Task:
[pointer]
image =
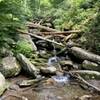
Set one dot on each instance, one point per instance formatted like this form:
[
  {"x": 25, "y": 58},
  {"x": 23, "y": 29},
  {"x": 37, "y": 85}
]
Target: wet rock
[
  {"x": 14, "y": 87},
  {"x": 70, "y": 44},
  {"x": 76, "y": 66},
  {"x": 66, "y": 64},
  {"x": 44, "y": 54},
  {"x": 10, "y": 67},
  {"x": 2, "y": 84},
  {"x": 52, "y": 61},
  {"x": 85, "y": 97},
  {"x": 48, "y": 70},
  {"x": 27, "y": 65},
  {"x": 25, "y": 83},
  {"x": 90, "y": 65}
]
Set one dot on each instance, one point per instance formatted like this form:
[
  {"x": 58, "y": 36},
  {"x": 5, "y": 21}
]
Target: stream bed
[{"x": 48, "y": 90}]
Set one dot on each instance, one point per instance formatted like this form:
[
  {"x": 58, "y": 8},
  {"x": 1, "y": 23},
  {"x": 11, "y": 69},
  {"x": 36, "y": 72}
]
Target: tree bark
[{"x": 84, "y": 55}]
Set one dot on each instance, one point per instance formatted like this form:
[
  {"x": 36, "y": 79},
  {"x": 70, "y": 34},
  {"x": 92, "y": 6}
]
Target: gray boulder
[
  {"x": 66, "y": 63},
  {"x": 27, "y": 65},
  {"x": 48, "y": 70},
  {"x": 10, "y": 67},
  {"x": 2, "y": 84}
]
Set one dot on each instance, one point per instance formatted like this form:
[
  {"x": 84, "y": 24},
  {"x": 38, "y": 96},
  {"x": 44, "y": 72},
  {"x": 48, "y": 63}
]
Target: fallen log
[
  {"x": 59, "y": 32},
  {"x": 84, "y": 55},
  {"x": 50, "y": 30},
  {"x": 40, "y": 37},
  {"x": 30, "y": 24},
  {"x": 48, "y": 40},
  {"x": 85, "y": 72}
]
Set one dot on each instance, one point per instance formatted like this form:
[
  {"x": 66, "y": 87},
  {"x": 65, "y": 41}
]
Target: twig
[{"x": 69, "y": 37}]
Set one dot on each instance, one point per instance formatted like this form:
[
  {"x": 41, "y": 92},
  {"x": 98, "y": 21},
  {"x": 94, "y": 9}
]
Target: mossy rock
[
  {"x": 10, "y": 67},
  {"x": 24, "y": 47}
]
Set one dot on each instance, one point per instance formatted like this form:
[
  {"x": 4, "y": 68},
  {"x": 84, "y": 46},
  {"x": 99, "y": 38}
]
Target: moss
[{"x": 24, "y": 47}]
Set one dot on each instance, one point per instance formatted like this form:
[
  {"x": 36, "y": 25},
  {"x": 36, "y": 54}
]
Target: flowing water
[
  {"x": 51, "y": 91},
  {"x": 58, "y": 87}
]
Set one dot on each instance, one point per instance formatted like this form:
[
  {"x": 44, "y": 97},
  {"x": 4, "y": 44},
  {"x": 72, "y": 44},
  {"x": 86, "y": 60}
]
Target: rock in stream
[{"x": 27, "y": 66}]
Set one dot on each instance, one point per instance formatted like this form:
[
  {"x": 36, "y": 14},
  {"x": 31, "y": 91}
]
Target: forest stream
[{"x": 49, "y": 49}]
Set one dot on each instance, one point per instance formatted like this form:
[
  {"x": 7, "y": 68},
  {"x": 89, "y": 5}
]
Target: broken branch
[
  {"x": 40, "y": 37},
  {"x": 88, "y": 84}
]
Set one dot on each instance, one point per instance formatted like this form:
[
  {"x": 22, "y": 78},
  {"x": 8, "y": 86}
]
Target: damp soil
[{"x": 46, "y": 91}]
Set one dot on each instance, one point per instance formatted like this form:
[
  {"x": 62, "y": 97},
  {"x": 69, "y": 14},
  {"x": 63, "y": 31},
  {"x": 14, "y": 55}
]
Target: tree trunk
[{"x": 84, "y": 55}]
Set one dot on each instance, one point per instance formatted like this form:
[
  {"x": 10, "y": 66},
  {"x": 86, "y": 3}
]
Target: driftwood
[
  {"x": 84, "y": 55},
  {"x": 40, "y": 37},
  {"x": 59, "y": 32},
  {"x": 85, "y": 72},
  {"x": 48, "y": 40},
  {"x": 50, "y": 30},
  {"x": 30, "y": 24}
]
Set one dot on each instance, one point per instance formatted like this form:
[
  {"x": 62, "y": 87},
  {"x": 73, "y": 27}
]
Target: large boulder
[
  {"x": 10, "y": 67},
  {"x": 2, "y": 84},
  {"x": 27, "y": 66}
]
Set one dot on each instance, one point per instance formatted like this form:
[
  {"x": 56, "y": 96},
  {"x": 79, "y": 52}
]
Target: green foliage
[
  {"x": 24, "y": 47},
  {"x": 12, "y": 16},
  {"x": 66, "y": 14}
]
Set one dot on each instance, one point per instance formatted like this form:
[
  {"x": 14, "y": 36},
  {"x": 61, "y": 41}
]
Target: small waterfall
[{"x": 61, "y": 79}]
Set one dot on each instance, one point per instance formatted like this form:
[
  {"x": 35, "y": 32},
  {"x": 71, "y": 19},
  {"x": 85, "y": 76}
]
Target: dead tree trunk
[{"x": 84, "y": 55}]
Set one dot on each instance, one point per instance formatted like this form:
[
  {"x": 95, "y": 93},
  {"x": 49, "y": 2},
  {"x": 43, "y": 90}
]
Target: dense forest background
[{"x": 81, "y": 15}]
